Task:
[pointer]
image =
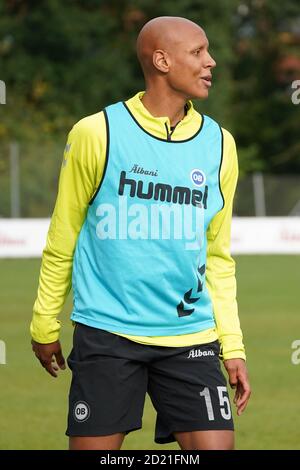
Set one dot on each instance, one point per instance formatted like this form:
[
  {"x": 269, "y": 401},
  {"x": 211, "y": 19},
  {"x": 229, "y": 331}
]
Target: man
[{"x": 142, "y": 225}]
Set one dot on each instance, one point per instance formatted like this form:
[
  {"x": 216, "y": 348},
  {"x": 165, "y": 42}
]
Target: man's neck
[{"x": 164, "y": 105}]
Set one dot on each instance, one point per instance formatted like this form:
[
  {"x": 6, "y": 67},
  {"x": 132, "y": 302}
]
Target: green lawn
[{"x": 33, "y": 405}]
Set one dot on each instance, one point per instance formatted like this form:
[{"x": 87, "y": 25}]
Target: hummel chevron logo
[
  {"x": 201, "y": 270},
  {"x": 182, "y": 312},
  {"x": 188, "y": 299}
]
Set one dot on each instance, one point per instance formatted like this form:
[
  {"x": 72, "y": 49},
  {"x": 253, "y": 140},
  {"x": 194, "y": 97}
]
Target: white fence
[{"x": 25, "y": 238}]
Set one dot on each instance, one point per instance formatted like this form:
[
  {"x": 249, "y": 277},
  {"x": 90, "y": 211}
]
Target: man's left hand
[{"x": 238, "y": 379}]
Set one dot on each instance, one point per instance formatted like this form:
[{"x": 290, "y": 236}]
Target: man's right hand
[{"x": 50, "y": 356}]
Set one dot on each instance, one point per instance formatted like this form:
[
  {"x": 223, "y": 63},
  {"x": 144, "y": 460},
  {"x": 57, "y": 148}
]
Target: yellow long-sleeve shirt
[{"x": 81, "y": 174}]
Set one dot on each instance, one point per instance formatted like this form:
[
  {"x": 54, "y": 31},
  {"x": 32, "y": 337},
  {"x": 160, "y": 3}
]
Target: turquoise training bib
[{"x": 139, "y": 263}]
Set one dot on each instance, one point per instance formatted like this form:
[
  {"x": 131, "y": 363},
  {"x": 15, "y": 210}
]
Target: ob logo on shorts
[
  {"x": 198, "y": 177},
  {"x": 81, "y": 411}
]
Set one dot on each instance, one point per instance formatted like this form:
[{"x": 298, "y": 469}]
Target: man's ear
[{"x": 161, "y": 60}]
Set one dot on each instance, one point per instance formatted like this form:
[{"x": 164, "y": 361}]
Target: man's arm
[
  {"x": 81, "y": 172},
  {"x": 221, "y": 281}
]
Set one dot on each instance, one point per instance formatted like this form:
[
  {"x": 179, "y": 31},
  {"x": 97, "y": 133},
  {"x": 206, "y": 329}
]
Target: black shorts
[{"x": 112, "y": 374}]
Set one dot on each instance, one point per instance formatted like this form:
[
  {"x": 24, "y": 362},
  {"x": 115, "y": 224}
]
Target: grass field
[{"x": 33, "y": 405}]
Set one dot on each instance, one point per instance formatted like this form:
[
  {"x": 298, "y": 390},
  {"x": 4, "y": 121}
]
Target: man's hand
[
  {"x": 50, "y": 356},
  {"x": 238, "y": 379}
]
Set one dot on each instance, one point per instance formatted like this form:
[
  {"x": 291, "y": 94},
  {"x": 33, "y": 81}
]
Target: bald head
[{"x": 162, "y": 34}]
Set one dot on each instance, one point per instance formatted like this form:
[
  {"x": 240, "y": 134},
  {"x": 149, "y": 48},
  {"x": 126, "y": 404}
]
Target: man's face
[{"x": 191, "y": 65}]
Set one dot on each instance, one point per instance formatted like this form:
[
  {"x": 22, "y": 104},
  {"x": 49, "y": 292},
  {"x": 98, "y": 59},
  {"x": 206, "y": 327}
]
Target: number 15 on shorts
[{"x": 223, "y": 400}]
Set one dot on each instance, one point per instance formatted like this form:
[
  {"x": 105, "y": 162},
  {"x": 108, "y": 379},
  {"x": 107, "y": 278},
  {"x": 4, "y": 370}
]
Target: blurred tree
[
  {"x": 266, "y": 122},
  {"x": 64, "y": 60}
]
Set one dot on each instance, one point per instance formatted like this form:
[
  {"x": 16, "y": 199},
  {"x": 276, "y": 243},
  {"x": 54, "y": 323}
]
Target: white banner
[
  {"x": 265, "y": 235},
  {"x": 23, "y": 238},
  {"x": 26, "y": 238}
]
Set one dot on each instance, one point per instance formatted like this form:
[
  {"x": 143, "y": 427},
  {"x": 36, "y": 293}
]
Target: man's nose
[{"x": 211, "y": 63}]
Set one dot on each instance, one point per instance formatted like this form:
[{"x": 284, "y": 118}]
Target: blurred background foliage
[{"x": 63, "y": 60}]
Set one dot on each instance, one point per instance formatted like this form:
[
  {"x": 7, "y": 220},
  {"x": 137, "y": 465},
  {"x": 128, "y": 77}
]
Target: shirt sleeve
[
  {"x": 81, "y": 171},
  {"x": 220, "y": 272}
]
